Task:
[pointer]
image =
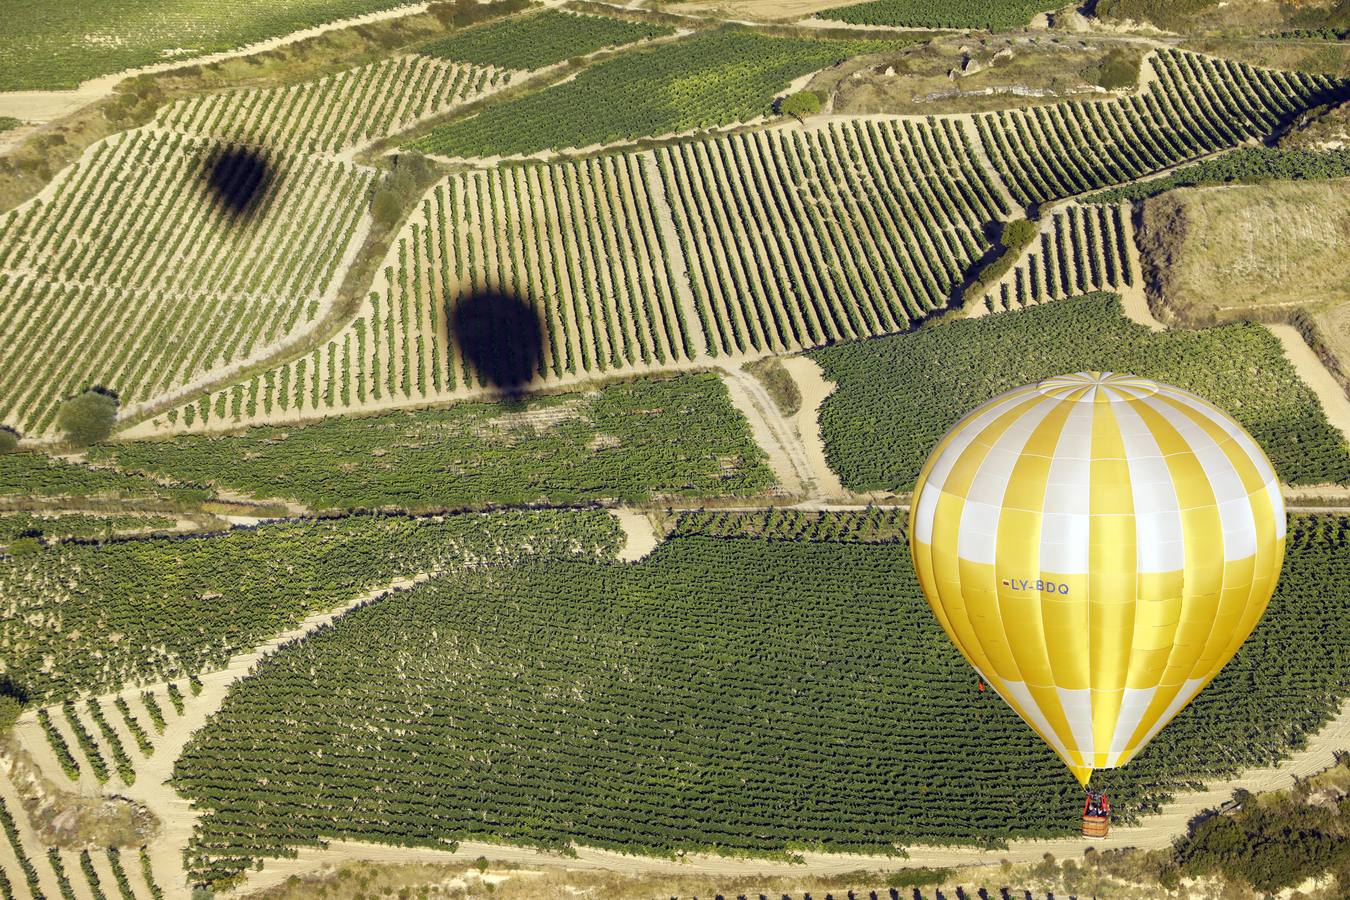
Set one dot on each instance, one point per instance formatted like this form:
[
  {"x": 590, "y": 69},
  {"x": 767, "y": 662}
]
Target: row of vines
[
  {"x": 573, "y": 243},
  {"x": 1194, "y": 105},
  {"x": 795, "y": 239},
  {"x": 1080, "y": 249}
]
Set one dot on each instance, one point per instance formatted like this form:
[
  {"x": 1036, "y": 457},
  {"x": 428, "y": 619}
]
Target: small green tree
[
  {"x": 9, "y": 441},
  {"x": 800, "y": 105},
  {"x": 88, "y": 418},
  {"x": 10, "y": 707},
  {"x": 385, "y": 207}
]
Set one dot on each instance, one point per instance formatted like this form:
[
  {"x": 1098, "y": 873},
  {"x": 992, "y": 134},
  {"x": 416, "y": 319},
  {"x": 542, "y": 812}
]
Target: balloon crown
[{"x": 1098, "y": 387}]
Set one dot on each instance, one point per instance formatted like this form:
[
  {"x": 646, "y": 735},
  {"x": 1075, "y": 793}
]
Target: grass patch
[
  {"x": 1222, "y": 253},
  {"x": 778, "y": 383}
]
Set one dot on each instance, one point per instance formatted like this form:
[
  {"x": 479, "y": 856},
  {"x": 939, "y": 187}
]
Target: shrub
[
  {"x": 10, "y": 708},
  {"x": 9, "y": 441},
  {"x": 800, "y": 105},
  {"x": 87, "y": 418}
]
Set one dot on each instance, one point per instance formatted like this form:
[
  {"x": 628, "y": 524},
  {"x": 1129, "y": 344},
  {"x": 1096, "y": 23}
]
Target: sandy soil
[
  {"x": 45, "y": 106},
  {"x": 640, "y": 534},
  {"x": 811, "y": 384},
  {"x": 1311, "y": 370},
  {"x": 774, "y": 434}
]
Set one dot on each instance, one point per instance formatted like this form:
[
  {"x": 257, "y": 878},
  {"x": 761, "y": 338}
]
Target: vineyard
[
  {"x": 701, "y": 81},
  {"x": 91, "y": 618},
  {"x": 538, "y": 705},
  {"x": 539, "y": 40},
  {"x": 889, "y": 411},
  {"x": 38, "y": 52},
  {"x": 630, "y": 442},
  {"x": 337, "y": 112},
  {"x": 1193, "y": 105},
  {"x": 1079, "y": 249},
  {"x": 133, "y": 277},
  {"x": 575, "y": 242},
  {"x": 1249, "y": 165},
  {"x": 795, "y": 239},
  {"x": 76, "y": 525},
  {"x": 990, "y": 14},
  {"x": 32, "y": 475}
]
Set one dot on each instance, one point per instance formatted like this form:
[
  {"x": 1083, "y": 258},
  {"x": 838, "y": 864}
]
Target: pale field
[
  {"x": 1254, "y": 250},
  {"x": 767, "y": 10}
]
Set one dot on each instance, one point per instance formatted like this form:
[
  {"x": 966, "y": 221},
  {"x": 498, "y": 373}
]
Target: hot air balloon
[{"x": 1097, "y": 546}]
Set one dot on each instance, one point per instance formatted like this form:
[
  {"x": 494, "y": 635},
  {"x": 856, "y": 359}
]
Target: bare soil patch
[
  {"x": 756, "y": 10},
  {"x": 966, "y": 73}
]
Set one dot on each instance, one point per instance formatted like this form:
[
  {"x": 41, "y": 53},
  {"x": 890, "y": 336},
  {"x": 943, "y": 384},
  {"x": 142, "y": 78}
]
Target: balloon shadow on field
[
  {"x": 237, "y": 178},
  {"x": 501, "y": 338}
]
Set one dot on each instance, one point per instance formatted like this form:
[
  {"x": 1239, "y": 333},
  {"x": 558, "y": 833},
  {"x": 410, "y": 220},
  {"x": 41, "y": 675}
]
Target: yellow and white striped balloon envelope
[{"x": 1098, "y": 546}]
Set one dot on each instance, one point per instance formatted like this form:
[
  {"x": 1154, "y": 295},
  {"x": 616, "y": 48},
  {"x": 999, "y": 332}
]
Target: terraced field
[
  {"x": 132, "y": 276},
  {"x": 575, "y": 242},
  {"x": 1079, "y": 249},
  {"x": 794, "y": 239},
  {"x": 340, "y": 111},
  {"x": 1192, "y": 105}
]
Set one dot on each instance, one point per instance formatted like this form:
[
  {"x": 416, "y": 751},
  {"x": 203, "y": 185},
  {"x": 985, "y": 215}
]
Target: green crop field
[
  {"x": 532, "y": 42},
  {"x": 1249, "y": 165},
  {"x": 151, "y": 281},
  {"x": 1195, "y": 105},
  {"x": 150, "y": 609},
  {"x": 993, "y": 14},
  {"x": 37, "y": 475},
  {"x": 75, "y": 525},
  {"x": 735, "y": 694},
  {"x": 898, "y": 395},
  {"x": 56, "y": 44},
  {"x": 697, "y": 82},
  {"x": 631, "y": 441}
]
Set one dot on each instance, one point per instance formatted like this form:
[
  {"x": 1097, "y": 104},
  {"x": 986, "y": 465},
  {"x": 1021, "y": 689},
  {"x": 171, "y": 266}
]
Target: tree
[
  {"x": 10, "y": 707},
  {"x": 386, "y": 208},
  {"x": 9, "y": 441},
  {"x": 88, "y": 418},
  {"x": 800, "y": 105}
]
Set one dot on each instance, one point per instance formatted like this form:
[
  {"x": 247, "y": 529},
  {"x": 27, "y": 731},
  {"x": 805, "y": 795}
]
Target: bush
[
  {"x": 9, "y": 441},
  {"x": 10, "y": 708},
  {"x": 88, "y": 418},
  {"x": 1012, "y": 240},
  {"x": 800, "y": 105},
  {"x": 385, "y": 208}
]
